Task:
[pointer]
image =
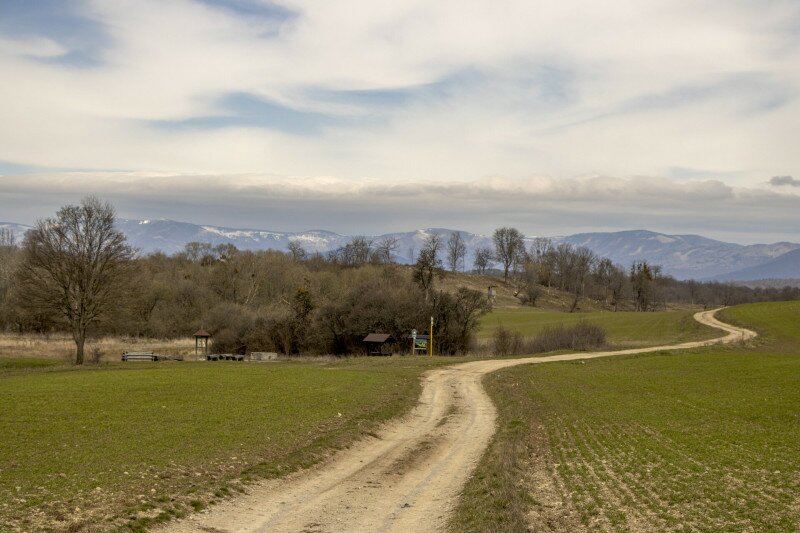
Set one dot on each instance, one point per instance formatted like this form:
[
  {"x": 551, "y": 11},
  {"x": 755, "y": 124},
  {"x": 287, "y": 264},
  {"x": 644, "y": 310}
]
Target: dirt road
[{"x": 409, "y": 477}]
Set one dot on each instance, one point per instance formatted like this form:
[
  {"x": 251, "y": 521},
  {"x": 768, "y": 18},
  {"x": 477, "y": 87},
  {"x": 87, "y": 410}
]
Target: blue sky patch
[
  {"x": 7, "y": 168},
  {"x": 252, "y": 8},
  {"x": 57, "y": 20},
  {"x": 247, "y": 110}
]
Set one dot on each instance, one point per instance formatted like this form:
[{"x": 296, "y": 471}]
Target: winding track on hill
[{"x": 408, "y": 478}]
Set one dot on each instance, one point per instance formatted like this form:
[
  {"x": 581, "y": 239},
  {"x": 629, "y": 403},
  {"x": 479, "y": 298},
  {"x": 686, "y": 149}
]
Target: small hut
[
  {"x": 201, "y": 337},
  {"x": 378, "y": 344}
]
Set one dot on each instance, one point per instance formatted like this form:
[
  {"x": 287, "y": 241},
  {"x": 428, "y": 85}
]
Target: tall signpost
[{"x": 430, "y": 341}]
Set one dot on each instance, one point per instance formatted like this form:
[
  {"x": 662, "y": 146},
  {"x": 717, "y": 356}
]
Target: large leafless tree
[{"x": 75, "y": 264}]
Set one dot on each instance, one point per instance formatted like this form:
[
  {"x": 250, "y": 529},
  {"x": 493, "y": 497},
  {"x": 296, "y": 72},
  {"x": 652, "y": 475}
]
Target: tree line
[
  {"x": 543, "y": 265},
  {"x": 75, "y": 272}
]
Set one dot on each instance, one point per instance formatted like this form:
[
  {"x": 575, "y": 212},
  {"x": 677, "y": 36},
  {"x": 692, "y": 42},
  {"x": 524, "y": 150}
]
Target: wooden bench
[{"x": 139, "y": 356}]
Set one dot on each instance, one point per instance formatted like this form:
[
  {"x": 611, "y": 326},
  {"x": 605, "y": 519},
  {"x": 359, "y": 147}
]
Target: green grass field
[
  {"x": 706, "y": 440},
  {"x": 776, "y": 323},
  {"x": 9, "y": 364},
  {"x": 128, "y": 445},
  {"x": 624, "y": 328}
]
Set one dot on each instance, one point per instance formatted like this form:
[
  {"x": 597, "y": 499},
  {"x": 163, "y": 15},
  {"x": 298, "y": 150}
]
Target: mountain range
[{"x": 682, "y": 256}]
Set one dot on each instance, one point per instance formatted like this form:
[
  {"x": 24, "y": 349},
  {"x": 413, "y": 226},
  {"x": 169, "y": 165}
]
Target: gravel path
[{"x": 408, "y": 478}]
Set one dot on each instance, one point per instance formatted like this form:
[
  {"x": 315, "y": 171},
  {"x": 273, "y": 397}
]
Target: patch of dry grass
[{"x": 62, "y": 347}]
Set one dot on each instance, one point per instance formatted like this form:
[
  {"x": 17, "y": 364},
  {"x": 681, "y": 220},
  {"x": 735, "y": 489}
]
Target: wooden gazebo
[{"x": 375, "y": 343}]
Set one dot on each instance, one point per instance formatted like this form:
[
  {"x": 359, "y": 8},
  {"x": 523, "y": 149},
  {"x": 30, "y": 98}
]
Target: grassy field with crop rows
[{"x": 706, "y": 439}]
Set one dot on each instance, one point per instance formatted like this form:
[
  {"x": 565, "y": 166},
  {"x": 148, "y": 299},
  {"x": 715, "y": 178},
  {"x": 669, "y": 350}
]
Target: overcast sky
[{"x": 374, "y": 116}]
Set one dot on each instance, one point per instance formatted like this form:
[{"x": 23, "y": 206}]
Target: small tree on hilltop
[
  {"x": 428, "y": 265},
  {"x": 483, "y": 259},
  {"x": 456, "y": 250},
  {"x": 75, "y": 265},
  {"x": 297, "y": 251},
  {"x": 508, "y": 244}
]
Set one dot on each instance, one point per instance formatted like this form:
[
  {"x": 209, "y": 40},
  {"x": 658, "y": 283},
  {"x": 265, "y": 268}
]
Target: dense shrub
[
  {"x": 581, "y": 336},
  {"x": 529, "y": 295},
  {"x": 507, "y": 342},
  {"x": 229, "y": 325}
]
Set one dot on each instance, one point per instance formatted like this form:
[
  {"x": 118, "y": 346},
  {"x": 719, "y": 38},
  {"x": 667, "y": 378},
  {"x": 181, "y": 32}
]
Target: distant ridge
[
  {"x": 786, "y": 266},
  {"x": 682, "y": 256}
]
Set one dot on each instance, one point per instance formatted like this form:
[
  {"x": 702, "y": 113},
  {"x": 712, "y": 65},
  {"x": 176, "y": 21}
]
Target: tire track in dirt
[{"x": 374, "y": 485}]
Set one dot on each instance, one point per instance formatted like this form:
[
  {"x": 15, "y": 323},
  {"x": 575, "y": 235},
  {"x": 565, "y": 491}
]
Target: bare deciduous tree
[
  {"x": 297, "y": 251},
  {"x": 483, "y": 259},
  {"x": 8, "y": 256},
  {"x": 583, "y": 259},
  {"x": 428, "y": 264},
  {"x": 355, "y": 253},
  {"x": 540, "y": 247},
  {"x": 433, "y": 243},
  {"x": 7, "y": 239},
  {"x": 611, "y": 279},
  {"x": 644, "y": 278},
  {"x": 508, "y": 244},
  {"x": 386, "y": 248},
  {"x": 75, "y": 265},
  {"x": 456, "y": 250}
]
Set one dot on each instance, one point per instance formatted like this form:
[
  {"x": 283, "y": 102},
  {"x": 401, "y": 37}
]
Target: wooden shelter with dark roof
[{"x": 376, "y": 343}]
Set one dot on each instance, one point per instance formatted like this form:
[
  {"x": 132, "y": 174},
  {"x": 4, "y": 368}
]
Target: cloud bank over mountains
[{"x": 538, "y": 206}]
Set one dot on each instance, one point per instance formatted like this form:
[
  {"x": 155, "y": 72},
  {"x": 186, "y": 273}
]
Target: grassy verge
[
  {"x": 700, "y": 440},
  {"x": 19, "y": 364},
  {"x": 125, "y": 446},
  {"x": 624, "y": 329}
]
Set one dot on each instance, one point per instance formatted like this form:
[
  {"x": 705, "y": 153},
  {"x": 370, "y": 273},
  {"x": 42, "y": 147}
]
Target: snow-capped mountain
[
  {"x": 169, "y": 236},
  {"x": 682, "y": 256}
]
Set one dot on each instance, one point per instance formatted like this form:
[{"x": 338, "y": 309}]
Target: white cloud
[
  {"x": 564, "y": 89},
  {"x": 703, "y": 93}
]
